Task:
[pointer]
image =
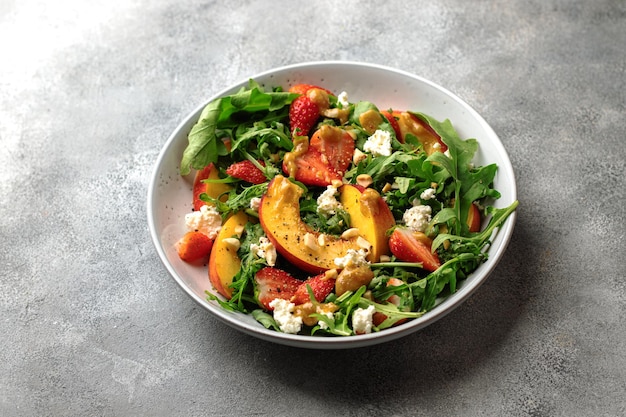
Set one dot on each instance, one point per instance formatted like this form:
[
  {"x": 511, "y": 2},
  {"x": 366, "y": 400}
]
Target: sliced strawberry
[
  {"x": 310, "y": 168},
  {"x": 410, "y": 246},
  {"x": 391, "y": 117},
  {"x": 303, "y": 113},
  {"x": 199, "y": 187},
  {"x": 212, "y": 189},
  {"x": 194, "y": 246},
  {"x": 303, "y": 88},
  {"x": 379, "y": 317},
  {"x": 247, "y": 171},
  {"x": 321, "y": 286},
  {"x": 336, "y": 146},
  {"x": 272, "y": 283}
]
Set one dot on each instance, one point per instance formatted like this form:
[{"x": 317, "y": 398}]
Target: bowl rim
[{"x": 448, "y": 305}]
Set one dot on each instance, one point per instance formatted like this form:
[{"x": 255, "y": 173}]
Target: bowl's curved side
[{"x": 169, "y": 194}]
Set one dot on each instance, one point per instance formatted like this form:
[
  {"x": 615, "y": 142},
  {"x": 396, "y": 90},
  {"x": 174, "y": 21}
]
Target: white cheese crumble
[
  {"x": 352, "y": 258},
  {"x": 362, "y": 320},
  {"x": 255, "y": 203},
  {"x": 428, "y": 194},
  {"x": 327, "y": 203},
  {"x": 417, "y": 217},
  {"x": 265, "y": 249},
  {"x": 379, "y": 144},
  {"x": 283, "y": 314},
  {"x": 207, "y": 220},
  {"x": 342, "y": 98}
]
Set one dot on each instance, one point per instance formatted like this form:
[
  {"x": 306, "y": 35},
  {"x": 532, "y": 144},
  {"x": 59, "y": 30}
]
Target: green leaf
[
  {"x": 225, "y": 112},
  {"x": 202, "y": 148},
  {"x": 360, "y": 108},
  {"x": 267, "y": 320},
  {"x": 498, "y": 216}
]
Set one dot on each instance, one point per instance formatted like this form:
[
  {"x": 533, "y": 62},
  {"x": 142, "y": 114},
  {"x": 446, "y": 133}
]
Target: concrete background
[{"x": 92, "y": 325}]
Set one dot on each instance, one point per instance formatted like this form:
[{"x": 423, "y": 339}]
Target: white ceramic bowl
[{"x": 169, "y": 194}]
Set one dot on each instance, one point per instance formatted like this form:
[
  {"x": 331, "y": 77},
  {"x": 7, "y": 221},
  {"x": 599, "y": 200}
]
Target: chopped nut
[
  {"x": 336, "y": 183},
  {"x": 358, "y": 156},
  {"x": 271, "y": 255},
  {"x": 364, "y": 180},
  {"x": 335, "y": 113},
  {"x": 239, "y": 230},
  {"x": 350, "y": 233},
  {"x": 311, "y": 242},
  {"x": 387, "y": 188},
  {"x": 363, "y": 243},
  {"x": 321, "y": 239},
  {"x": 330, "y": 274},
  {"x": 232, "y": 242},
  {"x": 385, "y": 258}
]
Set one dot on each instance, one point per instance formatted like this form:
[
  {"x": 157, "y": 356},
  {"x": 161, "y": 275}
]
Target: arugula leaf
[
  {"x": 334, "y": 224},
  {"x": 238, "y": 199},
  {"x": 347, "y": 302},
  {"x": 266, "y": 319},
  {"x": 204, "y": 147},
  {"x": 391, "y": 311},
  {"x": 275, "y": 133},
  {"x": 478, "y": 241},
  {"x": 469, "y": 184}
]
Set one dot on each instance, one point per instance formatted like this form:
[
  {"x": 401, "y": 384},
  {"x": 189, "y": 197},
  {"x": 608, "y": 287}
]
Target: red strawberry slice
[
  {"x": 410, "y": 246},
  {"x": 336, "y": 145},
  {"x": 311, "y": 169},
  {"x": 379, "y": 317},
  {"x": 194, "y": 246},
  {"x": 321, "y": 286},
  {"x": 247, "y": 171},
  {"x": 272, "y": 283},
  {"x": 303, "y": 113},
  {"x": 391, "y": 117}
]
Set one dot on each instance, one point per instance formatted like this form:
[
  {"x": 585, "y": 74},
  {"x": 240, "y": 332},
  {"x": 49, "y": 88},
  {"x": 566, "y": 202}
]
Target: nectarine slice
[
  {"x": 429, "y": 139},
  {"x": 212, "y": 189},
  {"x": 224, "y": 262},
  {"x": 370, "y": 214},
  {"x": 296, "y": 241},
  {"x": 473, "y": 218}
]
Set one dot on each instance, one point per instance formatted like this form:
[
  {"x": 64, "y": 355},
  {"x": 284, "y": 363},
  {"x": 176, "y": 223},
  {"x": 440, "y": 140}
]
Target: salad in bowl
[{"x": 322, "y": 216}]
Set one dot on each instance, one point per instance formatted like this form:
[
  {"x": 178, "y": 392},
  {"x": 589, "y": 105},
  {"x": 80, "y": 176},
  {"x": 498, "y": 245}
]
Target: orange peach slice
[
  {"x": 370, "y": 215},
  {"x": 297, "y": 242},
  {"x": 430, "y": 140},
  {"x": 224, "y": 262}
]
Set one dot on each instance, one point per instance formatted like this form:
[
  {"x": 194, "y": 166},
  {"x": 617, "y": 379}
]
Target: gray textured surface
[{"x": 91, "y": 324}]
